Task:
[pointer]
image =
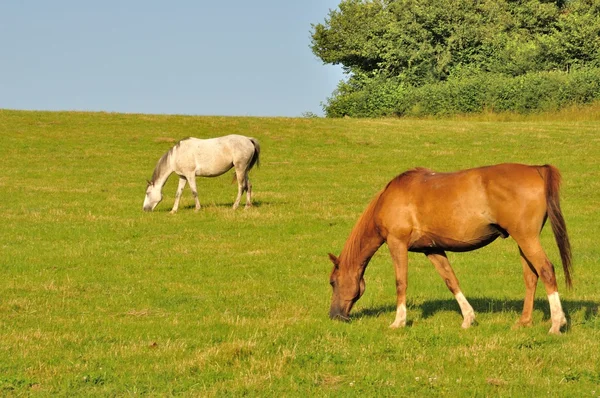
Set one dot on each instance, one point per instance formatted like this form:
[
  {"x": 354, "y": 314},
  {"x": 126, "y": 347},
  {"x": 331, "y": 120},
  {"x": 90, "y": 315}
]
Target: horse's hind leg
[
  {"x": 248, "y": 193},
  {"x": 442, "y": 265},
  {"x": 180, "y": 187},
  {"x": 241, "y": 180},
  {"x": 534, "y": 254},
  {"x": 531, "y": 278}
]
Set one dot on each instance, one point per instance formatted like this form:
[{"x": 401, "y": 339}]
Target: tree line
[{"x": 414, "y": 57}]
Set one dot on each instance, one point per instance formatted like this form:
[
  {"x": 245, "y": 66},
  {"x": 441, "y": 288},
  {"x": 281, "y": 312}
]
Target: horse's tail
[
  {"x": 559, "y": 228},
  {"x": 256, "y": 155}
]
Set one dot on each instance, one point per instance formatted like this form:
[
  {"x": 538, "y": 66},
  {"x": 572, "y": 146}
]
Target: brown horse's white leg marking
[
  {"x": 534, "y": 254},
  {"x": 442, "y": 265},
  {"x": 556, "y": 313},
  {"x": 400, "y": 320},
  {"x": 466, "y": 309},
  {"x": 399, "y": 253}
]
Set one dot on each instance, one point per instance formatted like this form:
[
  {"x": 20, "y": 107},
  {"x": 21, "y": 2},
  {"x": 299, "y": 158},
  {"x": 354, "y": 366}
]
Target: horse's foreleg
[
  {"x": 535, "y": 255},
  {"x": 192, "y": 181},
  {"x": 442, "y": 265},
  {"x": 399, "y": 252},
  {"x": 531, "y": 279},
  {"x": 178, "y": 193}
]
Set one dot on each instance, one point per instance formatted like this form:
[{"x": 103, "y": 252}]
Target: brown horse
[{"x": 431, "y": 213}]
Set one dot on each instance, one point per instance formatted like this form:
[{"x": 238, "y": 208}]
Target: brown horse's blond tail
[{"x": 559, "y": 227}]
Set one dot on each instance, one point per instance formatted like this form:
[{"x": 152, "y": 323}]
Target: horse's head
[
  {"x": 153, "y": 196},
  {"x": 347, "y": 286}
]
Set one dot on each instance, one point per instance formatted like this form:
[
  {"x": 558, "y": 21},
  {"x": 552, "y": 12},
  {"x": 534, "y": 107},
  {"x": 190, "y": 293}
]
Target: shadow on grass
[
  {"x": 487, "y": 305},
  {"x": 255, "y": 203}
]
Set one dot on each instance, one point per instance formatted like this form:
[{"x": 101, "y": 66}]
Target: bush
[
  {"x": 376, "y": 98},
  {"x": 532, "y": 92}
]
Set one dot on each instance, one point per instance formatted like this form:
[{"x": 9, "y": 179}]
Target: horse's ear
[{"x": 334, "y": 260}]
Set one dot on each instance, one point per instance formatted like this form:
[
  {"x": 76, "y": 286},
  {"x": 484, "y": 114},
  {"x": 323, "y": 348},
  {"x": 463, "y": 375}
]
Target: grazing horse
[
  {"x": 431, "y": 213},
  {"x": 211, "y": 157}
]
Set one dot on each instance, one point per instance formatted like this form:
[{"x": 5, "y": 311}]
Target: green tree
[{"x": 410, "y": 43}]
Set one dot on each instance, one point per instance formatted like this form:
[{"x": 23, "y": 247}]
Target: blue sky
[{"x": 246, "y": 58}]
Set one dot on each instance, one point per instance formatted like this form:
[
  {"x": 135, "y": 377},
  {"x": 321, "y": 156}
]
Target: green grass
[{"x": 99, "y": 298}]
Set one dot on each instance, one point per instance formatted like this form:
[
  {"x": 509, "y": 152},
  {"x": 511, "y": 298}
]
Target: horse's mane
[
  {"x": 164, "y": 161},
  {"x": 354, "y": 244},
  {"x": 412, "y": 173},
  {"x": 161, "y": 164}
]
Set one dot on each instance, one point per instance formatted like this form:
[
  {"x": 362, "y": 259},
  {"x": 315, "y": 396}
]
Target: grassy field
[{"x": 99, "y": 298}]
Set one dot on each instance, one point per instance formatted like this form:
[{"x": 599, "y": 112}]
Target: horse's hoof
[
  {"x": 469, "y": 320},
  {"x": 554, "y": 330},
  {"x": 468, "y": 325},
  {"x": 521, "y": 325},
  {"x": 556, "y": 326},
  {"x": 527, "y": 323}
]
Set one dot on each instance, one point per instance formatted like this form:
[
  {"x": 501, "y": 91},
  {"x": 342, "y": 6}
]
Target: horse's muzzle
[
  {"x": 149, "y": 207},
  {"x": 338, "y": 315},
  {"x": 340, "y": 318}
]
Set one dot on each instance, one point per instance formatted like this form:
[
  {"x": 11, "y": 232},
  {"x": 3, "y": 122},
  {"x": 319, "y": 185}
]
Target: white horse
[{"x": 211, "y": 157}]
